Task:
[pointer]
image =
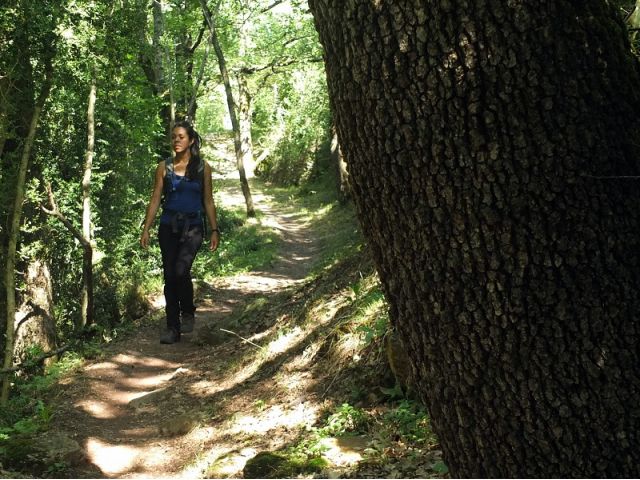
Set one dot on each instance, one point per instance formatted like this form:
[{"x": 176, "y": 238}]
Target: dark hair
[{"x": 194, "y": 161}]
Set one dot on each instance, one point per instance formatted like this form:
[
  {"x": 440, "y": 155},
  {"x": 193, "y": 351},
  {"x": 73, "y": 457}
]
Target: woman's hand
[
  {"x": 144, "y": 239},
  {"x": 215, "y": 240}
]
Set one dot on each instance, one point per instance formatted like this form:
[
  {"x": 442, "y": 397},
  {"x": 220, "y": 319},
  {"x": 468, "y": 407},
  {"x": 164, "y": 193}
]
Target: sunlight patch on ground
[
  {"x": 260, "y": 283},
  {"x": 228, "y": 462},
  {"x": 326, "y": 310},
  {"x": 349, "y": 346},
  {"x": 271, "y": 222},
  {"x": 284, "y": 342},
  {"x": 344, "y": 451},
  {"x": 97, "y": 408},
  {"x": 203, "y": 388},
  {"x": 121, "y": 460},
  {"x": 302, "y": 361},
  {"x": 276, "y": 416},
  {"x": 295, "y": 381},
  {"x": 146, "y": 361},
  {"x": 103, "y": 366},
  {"x": 232, "y": 462},
  {"x": 111, "y": 459},
  {"x": 151, "y": 380},
  {"x": 208, "y": 387}
]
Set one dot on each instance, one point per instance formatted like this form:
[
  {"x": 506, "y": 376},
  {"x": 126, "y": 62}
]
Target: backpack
[{"x": 166, "y": 185}]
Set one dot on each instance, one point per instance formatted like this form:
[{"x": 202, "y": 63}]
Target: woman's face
[{"x": 180, "y": 140}]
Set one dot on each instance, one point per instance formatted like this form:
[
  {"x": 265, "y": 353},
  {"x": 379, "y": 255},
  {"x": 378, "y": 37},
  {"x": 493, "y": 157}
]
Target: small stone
[{"x": 147, "y": 398}]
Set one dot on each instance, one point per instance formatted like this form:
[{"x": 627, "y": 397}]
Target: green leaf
[{"x": 440, "y": 467}]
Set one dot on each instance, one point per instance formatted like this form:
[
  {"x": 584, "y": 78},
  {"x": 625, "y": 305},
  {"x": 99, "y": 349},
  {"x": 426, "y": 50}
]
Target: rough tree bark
[
  {"x": 35, "y": 323},
  {"x": 487, "y": 144}
]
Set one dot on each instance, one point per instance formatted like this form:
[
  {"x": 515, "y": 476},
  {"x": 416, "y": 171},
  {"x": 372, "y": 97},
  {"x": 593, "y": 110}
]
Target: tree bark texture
[
  {"x": 486, "y": 144},
  {"x": 35, "y": 324}
]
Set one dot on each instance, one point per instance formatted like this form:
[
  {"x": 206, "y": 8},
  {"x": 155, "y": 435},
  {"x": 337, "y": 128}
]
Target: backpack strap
[
  {"x": 204, "y": 211},
  {"x": 166, "y": 181}
]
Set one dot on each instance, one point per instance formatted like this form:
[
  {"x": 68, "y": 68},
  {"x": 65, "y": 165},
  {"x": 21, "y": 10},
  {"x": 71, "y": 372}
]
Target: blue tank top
[{"x": 185, "y": 196}]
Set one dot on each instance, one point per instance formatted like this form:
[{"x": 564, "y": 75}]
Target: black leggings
[{"x": 178, "y": 251}]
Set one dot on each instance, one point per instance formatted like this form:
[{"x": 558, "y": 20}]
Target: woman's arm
[
  {"x": 210, "y": 208},
  {"x": 154, "y": 204}
]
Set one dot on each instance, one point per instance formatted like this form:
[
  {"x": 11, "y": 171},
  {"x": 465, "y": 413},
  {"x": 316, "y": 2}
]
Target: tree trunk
[
  {"x": 14, "y": 231},
  {"x": 244, "y": 124},
  {"x": 237, "y": 141},
  {"x": 193, "y": 105},
  {"x": 35, "y": 324},
  {"x": 86, "y": 317},
  {"x": 162, "y": 81},
  {"x": 489, "y": 151},
  {"x": 4, "y": 112},
  {"x": 340, "y": 167},
  {"x": 244, "y": 101}
]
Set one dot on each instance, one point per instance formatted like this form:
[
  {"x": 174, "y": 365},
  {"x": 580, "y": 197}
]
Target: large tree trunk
[
  {"x": 485, "y": 143},
  {"x": 237, "y": 141},
  {"x": 14, "y": 230},
  {"x": 35, "y": 324}
]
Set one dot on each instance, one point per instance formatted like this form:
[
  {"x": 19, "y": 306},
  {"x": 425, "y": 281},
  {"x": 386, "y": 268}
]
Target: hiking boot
[
  {"x": 170, "y": 336},
  {"x": 188, "y": 320}
]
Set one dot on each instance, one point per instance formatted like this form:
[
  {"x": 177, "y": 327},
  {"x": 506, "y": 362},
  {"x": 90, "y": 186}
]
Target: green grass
[
  {"x": 245, "y": 245},
  {"x": 25, "y": 411}
]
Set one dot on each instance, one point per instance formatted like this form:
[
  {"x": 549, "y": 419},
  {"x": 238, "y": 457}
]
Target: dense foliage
[{"x": 145, "y": 61}]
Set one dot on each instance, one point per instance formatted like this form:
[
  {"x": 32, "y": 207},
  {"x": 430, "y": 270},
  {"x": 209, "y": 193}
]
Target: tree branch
[
  {"x": 55, "y": 212},
  {"x": 35, "y": 361},
  {"x": 196, "y": 44},
  {"x": 273, "y": 5}
]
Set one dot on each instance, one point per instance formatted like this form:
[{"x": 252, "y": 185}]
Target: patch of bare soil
[{"x": 217, "y": 397}]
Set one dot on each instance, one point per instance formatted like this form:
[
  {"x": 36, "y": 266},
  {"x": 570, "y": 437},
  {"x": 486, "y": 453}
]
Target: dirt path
[{"x": 163, "y": 411}]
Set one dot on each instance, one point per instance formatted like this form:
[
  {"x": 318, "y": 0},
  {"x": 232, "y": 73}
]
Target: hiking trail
[{"x": 150, "y": 410}]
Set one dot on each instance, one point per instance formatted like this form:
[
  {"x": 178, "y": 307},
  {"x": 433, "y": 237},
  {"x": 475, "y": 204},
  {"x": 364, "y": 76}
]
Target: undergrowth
[
  {"x": 342, "y": 314},
  {"x": 340, "y": 318},
  {"x": 245, "y": 245}
]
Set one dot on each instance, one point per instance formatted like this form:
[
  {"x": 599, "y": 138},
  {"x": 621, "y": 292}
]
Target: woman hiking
[{"x": 185, "y": 182}]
